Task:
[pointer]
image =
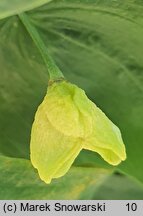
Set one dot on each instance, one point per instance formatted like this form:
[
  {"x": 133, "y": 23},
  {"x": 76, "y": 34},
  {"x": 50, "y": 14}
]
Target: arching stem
[{"x": 53, "y": 70}]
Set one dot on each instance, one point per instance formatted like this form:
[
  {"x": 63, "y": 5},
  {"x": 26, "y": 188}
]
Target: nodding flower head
[{"x": 67, "y": 122}]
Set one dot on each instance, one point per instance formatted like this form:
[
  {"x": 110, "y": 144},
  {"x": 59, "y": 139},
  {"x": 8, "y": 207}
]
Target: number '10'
[{"x": 131, "y": 206}]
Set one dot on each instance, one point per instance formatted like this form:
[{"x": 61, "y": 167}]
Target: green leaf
[
  {"x": 8, "y": 8},
  {"x": 98, "y": 46},
  {"x": 119, "y": 187},
  {"x": 23, "y": 84},
  {"x": 19, "y": 181}
]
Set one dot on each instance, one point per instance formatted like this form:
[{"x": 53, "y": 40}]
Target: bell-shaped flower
[{"x": 67, "y": 122}]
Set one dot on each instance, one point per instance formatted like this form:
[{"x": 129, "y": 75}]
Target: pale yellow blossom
[{"x": 67, "y": 122}]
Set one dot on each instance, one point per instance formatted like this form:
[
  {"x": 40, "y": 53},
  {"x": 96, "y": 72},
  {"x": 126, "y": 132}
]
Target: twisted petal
[
  {"x": 52, "y": 153},
  {"x": 68, "y": 109},
  {"x": 106, "y": 139}
]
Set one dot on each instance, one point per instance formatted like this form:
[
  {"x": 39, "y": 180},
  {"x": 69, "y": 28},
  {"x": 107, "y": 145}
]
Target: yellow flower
[{"x": 67, "y": 122}]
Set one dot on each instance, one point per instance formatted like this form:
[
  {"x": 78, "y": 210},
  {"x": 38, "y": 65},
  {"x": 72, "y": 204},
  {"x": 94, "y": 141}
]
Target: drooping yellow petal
[
  {"x": 66, "y": 122},
  {"x": 106, "y": 139},
  {"x": 52, "y": 153},
  {"x": 67, "y": 108}
]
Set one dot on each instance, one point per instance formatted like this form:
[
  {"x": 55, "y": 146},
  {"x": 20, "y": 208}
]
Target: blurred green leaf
[
  {"x": 8, "y": 8},
  {"x": 119, "y": 187},
  {"x": 98, "y": 45},
  {"x": 23, "y": 84},
  {"x": 19, "y": 181}
]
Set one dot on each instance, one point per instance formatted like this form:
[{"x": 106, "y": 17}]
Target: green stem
[{"x": 54, "y": 71}]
